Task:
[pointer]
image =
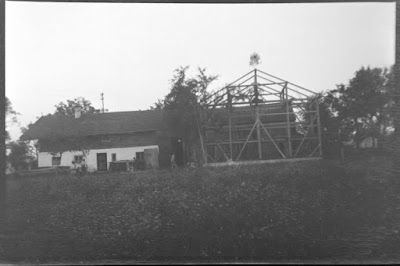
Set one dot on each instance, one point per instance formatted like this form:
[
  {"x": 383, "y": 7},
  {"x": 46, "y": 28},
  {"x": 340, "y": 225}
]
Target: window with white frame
[
  {"x": 56, "y": 160},
  {"x": 78, "y": 158}
]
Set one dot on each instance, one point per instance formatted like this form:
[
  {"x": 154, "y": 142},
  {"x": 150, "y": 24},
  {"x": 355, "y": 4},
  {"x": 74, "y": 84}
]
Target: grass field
[{"x": 317, "y": 210}]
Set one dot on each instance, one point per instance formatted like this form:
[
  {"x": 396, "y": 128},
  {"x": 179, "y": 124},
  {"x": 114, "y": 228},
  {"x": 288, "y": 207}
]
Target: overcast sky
[{"x": 60, "y": 51}]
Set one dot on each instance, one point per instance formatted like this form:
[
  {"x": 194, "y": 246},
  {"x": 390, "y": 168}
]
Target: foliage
[
  {"x": 362, "y": 108},
  {"x": 68, "y": 107},
  {"x": 255, "y": 59},
  {"x": 20, "y": 155},
  {"x": 294, "y": 211},
  {"x": 184, "y": 101},
  {"x": 330, "y": 123},
  {"x": 57, "y": 145},
  {"x": 11, "y": 116},
  {"x": 33, "y": 145}
]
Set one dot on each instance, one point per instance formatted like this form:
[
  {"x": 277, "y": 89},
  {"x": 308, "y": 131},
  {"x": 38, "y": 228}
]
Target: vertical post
[
  {"x": 258, "y": 133},
  {"x": 288, "y": 122},
  {"x": 201, "y": 138},
  {"x": 102, "y": 101},
  {"x": 319, "y": 129},
  {"x": 255, "y": 87},
  {"x": 257, "y": 115},
  {"x": 230, "y": 123}
]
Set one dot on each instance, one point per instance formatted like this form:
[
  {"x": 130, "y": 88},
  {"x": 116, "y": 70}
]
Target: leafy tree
[
  {"x": 330, "y": 123},
  {"x": 58, "y": 145},
  {"x": 158, "y": 105},
  {"x": 362, "y": 106},
  {"x": 389, "y": 112},
  {"x": 68, "y": 108},
  {"x": 184, "y": 102},
  {"x": 181, "y": 101},
  {"x": 33, "y": 145},
  {"x": 11, "y": 116},
  {"x": 20, "y": 157}
]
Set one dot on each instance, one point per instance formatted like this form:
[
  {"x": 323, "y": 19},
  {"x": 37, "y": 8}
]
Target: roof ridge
[
  {"x": 134, "y": 111},
  {"x": 112, "y": 112}
]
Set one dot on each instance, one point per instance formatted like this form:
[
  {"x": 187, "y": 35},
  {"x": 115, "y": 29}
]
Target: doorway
[
  {"x": 177, "y": 149},
  {"x": 102, "y": 162}
]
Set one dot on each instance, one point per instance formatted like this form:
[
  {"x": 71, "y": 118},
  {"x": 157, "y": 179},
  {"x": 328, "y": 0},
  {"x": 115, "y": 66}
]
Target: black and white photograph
[{"x": 192, "y": 133}]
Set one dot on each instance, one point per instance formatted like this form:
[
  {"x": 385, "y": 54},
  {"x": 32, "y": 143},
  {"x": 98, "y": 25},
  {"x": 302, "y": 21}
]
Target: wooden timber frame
[{"x": 260, "y": 117}]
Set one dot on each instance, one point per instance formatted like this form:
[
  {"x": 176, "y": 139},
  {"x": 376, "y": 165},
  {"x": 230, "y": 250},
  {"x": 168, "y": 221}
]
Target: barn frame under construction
[{"x": 260, "y": 117}]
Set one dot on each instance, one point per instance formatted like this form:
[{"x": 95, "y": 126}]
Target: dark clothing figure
[
  {"x": 179, "y": 153},
  {"x": 84, "y": 166},
  {"x": 134, "y": 164},
  {"x": 173, "y": 162}
]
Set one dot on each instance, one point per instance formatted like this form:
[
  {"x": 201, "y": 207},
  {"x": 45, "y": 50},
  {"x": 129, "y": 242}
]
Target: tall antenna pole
[
  {"x": 102, "y": 101},
  {"x": 254, "y": 61}
]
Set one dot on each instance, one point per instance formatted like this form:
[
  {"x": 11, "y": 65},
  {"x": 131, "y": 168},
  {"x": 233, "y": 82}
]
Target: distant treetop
[{"x": 68, "y": 108}]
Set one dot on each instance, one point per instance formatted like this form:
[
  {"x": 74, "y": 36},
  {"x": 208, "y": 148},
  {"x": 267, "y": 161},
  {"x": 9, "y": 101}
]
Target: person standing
[
  {"x": 84, "y": 166},
  {"x": 173, "y": 162},
  {"x": 134, "y": 164}
]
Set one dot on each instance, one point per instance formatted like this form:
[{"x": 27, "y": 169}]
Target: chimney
[{"x": 78, "y": 112}]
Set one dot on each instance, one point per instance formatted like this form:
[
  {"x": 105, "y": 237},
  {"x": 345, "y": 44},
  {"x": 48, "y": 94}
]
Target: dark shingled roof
[
  {"x": 130, "y": 122},
  {"x": 95, "y": 124}
]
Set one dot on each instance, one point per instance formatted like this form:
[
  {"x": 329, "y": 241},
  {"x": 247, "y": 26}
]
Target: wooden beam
[
  {"x": 230, "y": 129},
  {"x": 287, "y": 121},
  {"x": 260, "y": 84},
  {"x": 240, "y": 78},
  {"x": 288, "y": 82},
  {"x": 226, "y": 157},
  {"x": 248, "y": 126},
  {"x": 233, "y": 142},
  {"x": 211, "y": 157},
  {"x": 319, "y": 131},
  {"x": 200, "y": 135},
  {"x": 263, "y": 103},
  {"x": 255, "y": 141},
  {"x": 308, "y": 130},
  {"x": 276, "y": 146},
  {"x": 256, "y": 98},
  {"x": 228, "y": 85},
  {"x": 248, "y": 137},
  {"x": 296, "y": 91},
  {"x": 270, "y": 88},
  {"x": 258, "y": 134},
  {"x": 314, "y": 151}
]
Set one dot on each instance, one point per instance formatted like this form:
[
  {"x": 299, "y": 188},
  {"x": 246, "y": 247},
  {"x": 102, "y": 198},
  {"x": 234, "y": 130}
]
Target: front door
[
  {"x": 102, "y": 162},
  {"x": 177, "y": 149}
]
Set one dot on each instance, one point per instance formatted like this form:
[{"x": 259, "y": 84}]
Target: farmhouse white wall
[{"x": 44, "y": 159}]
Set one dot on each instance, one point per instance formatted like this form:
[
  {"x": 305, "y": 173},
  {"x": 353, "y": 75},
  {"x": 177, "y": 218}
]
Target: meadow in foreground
[{"x": 290, "y": 211}]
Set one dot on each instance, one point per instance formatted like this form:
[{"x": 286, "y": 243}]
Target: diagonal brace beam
[
  {"x": 247, "y": 139},
  {"x": 276, "y": 146},
  {"x": 308, "y": 130}
]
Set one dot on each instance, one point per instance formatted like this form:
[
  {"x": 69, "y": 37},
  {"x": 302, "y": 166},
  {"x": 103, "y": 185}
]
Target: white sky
[{"x": 60, "y": 51}]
